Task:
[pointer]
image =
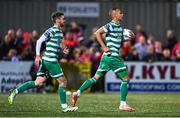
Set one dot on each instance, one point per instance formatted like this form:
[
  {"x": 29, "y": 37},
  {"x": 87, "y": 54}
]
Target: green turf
[{"x": 102, "y": 105}]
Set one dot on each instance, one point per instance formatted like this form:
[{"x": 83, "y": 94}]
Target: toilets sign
[{"x": 79, "y": 9}]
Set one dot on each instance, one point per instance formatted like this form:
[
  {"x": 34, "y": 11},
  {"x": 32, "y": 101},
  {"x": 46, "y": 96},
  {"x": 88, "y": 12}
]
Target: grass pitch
[{"x": 92, "y": 105}]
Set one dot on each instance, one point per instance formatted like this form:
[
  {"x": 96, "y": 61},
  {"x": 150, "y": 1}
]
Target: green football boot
[{"x": 12, "y": 96}]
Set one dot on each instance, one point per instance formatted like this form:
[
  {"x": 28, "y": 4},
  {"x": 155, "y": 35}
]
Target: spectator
[
  {"x": 171, "y": 39},
  {"x": 11, "y": 33},
  {"x": 75, "y": 32},
  {"x": 158, "y": 50},
  {"x": 122, "y": 53},
  {"x": 177, "y": 55},
  {"x": 133, "y": 55},
  {"x": 85, "y": 55},
  {"x": 150, "y": 57},
  {"x": 76, "y": 53},
  {"x": 27, "y": 53},
  {"x": 12, "y": 55},
  {"x": 176, "y": 52},
  {"x": 141, "y": 47},
  {"x": 69, "y": 40},
  {"x": 151, "y": 39},
  {"x": 139, "y": 32},
  {"x": 71, "y": 44},
  {"x": 175, "y": 48},
  {"x": 5, "y": 46},
  {"x": 92, "y": 39},
  {"x": 166, "y": 55},
  {"x": 18, "y": 41},
  {"x": 35, "y": 37},
  {"x": 35, "y": 34},
  {"x": 126, "y": 47}
]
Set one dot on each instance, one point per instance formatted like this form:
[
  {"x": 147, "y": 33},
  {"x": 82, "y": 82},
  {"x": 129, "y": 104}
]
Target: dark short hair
[
  {"x": 111, "y": 10},
  {"x": 56, "y": 15}
]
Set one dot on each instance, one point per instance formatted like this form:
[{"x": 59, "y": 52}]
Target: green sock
[
  {"x": 87, "y": 84},
  {"x": 62, "y": 94},
  {"x": 124, "y": 90},
  {"x": 25, "y": 86}
]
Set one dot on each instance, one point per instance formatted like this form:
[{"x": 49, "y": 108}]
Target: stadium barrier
[
  {"x": 145, "y": 77},
  {"x": 15, "y": 73},
  {"x": 148, "y": 77}
]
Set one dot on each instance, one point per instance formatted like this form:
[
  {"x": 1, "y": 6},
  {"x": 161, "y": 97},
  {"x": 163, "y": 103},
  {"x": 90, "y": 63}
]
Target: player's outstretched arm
[{"x": 99, "y": 38}]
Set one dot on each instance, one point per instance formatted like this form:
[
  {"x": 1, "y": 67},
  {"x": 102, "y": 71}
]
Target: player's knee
[
  {"x": 126, "y": 78},
  {"x": 97, "y": 77},
  {"x": 39, "y": 81},
  {"x": 62, "y": 82}
]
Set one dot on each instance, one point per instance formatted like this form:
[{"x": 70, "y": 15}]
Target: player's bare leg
[
  {"x": 88, "y": 83},
  {"x": 124, "y": 89}
]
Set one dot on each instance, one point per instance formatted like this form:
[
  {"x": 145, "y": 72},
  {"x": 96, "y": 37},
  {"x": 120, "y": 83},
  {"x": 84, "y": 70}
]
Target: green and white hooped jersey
[
  {"x": 54, "y": 37},
  {"x": 113, "y": 38}
]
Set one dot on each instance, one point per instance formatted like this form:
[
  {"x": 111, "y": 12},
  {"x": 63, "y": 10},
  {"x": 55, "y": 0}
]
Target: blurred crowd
[
  {"x": 149, "y": 48},
  {"x": 20, "y": 45}
]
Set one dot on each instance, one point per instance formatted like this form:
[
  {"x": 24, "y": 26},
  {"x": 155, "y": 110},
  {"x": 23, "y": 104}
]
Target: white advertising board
[
  {"x": 148, "y": 77},
  {"x": 13, "y": 74}
]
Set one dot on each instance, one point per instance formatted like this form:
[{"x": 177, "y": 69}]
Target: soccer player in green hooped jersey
[
  {"x": 110, "y": 59},
  {"x": 49, "y": 62}
]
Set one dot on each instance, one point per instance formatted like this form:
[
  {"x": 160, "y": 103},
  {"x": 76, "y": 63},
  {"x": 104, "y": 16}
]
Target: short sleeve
[
  {"x": 106, "y": 28},
  {"x": 48, "y": 33}
]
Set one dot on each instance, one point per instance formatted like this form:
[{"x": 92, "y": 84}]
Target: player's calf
[{"x": 74, "y": 99}]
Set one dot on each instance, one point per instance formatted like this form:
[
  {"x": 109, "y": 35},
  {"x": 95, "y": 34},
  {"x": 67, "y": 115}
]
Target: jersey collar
[{"x": 115, "y": 23}]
